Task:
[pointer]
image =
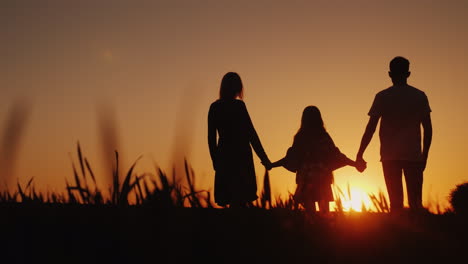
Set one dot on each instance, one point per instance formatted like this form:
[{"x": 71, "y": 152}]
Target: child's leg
[
  {"x": 324, "y": 206},
  {"x": 310, "y": 206}
]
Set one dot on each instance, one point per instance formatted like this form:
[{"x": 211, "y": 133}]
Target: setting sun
[{"x": 354, "y": 200}]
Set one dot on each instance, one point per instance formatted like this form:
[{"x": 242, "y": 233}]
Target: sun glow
[{"x": 355, "y": 199}]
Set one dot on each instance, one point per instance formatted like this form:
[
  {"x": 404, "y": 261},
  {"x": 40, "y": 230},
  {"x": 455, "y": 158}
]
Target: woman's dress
[{"x": 231, "y": 136}]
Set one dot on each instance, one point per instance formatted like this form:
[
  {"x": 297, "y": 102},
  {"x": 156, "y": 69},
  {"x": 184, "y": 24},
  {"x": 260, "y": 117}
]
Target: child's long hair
[{"x": 311, "y": 124}]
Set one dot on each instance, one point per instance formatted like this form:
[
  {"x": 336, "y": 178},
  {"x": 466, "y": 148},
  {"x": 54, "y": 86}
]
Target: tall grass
[
  {"x": 156, "y": 189},
  {"x": 159, "y": 190},
  {"x": 287, "y": 203},
  {"x": 150, "y": 189},
  {"x": 109, "y": 134},
  {"x": 340, "y": 197},
  {"x": 380, "y": 202},
  {"x": 10, "y": 143},
  {"x": 265, "y": 198}
]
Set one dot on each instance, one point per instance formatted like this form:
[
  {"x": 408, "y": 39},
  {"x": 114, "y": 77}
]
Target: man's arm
[
  {"x": 427, "y": 126},
  {"x": 366, "y": 138}
]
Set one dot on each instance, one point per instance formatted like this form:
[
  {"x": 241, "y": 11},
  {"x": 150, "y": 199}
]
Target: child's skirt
[{"x": 314, "y": 183}]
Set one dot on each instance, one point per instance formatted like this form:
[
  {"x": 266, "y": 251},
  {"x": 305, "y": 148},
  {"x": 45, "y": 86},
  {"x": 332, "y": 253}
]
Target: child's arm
[
  {"x": 349, "y": 161},
  {"x": 278, "y": 163},
  {"x": 339, "y": 159},
  {"x": 360, "y": 166},
  {"x": 289, "y": 161}
]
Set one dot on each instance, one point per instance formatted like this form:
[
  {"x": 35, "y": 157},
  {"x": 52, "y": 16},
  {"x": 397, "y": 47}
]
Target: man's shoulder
[
  {"x": 409, "y": 89},
  {"x": 384, "y": 91},
  {"x": 416, "y": 90}
]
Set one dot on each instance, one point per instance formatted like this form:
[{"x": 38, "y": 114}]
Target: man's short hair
[{"x": 399, "y": 65}]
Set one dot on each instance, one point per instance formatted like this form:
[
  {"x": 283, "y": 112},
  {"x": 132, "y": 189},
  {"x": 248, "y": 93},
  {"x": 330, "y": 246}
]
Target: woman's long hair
[{"x": 231, "y": 86}]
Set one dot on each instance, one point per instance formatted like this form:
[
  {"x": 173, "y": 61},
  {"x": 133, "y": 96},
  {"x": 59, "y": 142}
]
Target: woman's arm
[
  {"x": 212, "y": 144},
  {"x": 255, "y": 140}
]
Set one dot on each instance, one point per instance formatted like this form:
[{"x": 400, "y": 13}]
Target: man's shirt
[{"x": 401, "y": 109}]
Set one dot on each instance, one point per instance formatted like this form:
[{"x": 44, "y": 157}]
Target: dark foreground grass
[
  {"x": 166, "y": 221},
  {"x": 49, "y": 233}
]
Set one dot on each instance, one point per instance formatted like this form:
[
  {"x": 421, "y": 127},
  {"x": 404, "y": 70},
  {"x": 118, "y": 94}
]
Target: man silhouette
[{"x": 402, "y": 109}]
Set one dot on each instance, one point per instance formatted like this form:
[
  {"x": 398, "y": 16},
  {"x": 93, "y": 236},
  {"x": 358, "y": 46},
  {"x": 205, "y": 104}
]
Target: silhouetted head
[
  {"x": 399, "y": 70},
  {"x": 231, "y": 86},
  {"x": 312, "y": 119}
]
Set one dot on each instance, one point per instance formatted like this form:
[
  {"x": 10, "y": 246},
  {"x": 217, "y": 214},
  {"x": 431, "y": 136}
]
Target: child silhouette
[{"x": 313, "y": 156}]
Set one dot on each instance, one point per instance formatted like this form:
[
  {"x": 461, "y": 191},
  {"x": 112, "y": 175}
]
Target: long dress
[
  {"x": 313, "y": 158},
  {"x": 231, "y": 152}
]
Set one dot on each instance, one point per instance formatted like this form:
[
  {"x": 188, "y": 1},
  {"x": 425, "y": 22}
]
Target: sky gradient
[{"x": 147, "y": 71}]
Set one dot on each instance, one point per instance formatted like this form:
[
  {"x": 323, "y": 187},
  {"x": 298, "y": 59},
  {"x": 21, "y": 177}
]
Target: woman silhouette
[{"x": 231, "y": 153}]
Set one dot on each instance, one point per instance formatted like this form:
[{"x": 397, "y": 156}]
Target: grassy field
[
  {"x": 153, "y": 218},
  {"x": 90, "y": 233}
]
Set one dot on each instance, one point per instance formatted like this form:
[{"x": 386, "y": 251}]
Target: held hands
[
  {"x": 275, "y": 164},
  {"x": 360, "y": 164},
  {"x": 268, "y": 165}
]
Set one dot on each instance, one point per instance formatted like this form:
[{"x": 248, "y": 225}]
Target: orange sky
[{"x": 158, "y": 65}]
